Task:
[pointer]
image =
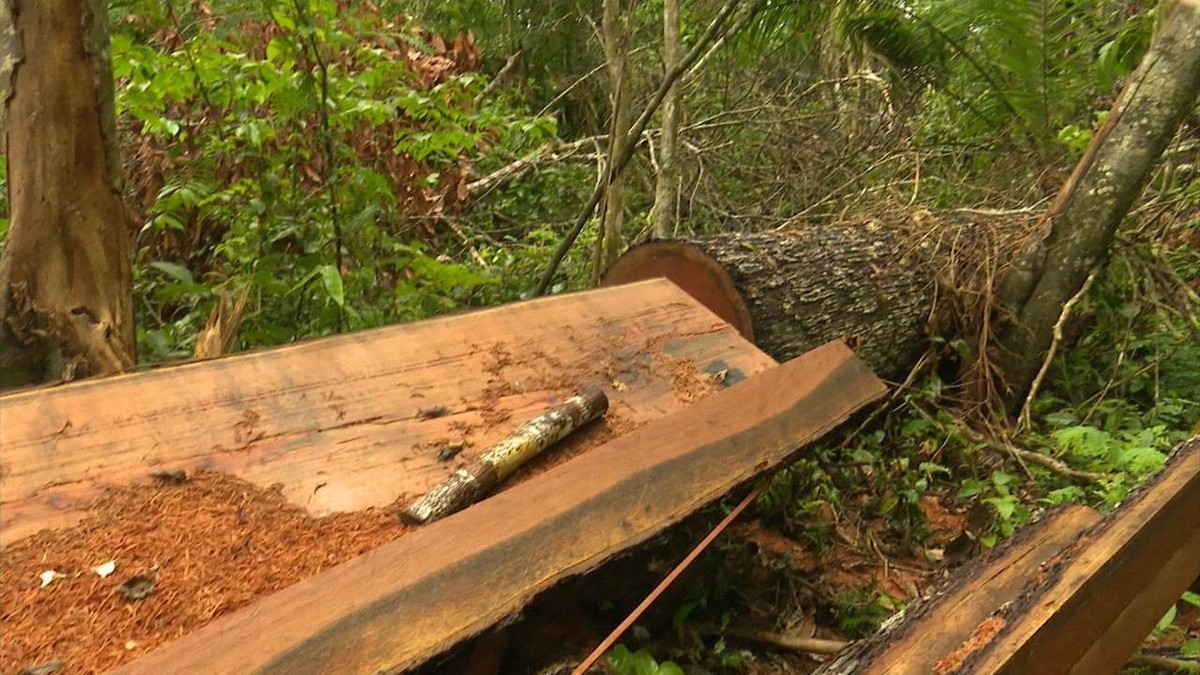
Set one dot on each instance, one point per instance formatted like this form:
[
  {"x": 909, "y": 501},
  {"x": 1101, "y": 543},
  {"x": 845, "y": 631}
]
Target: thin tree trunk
[
  {"x": 608, "y": 244},
  {"x": 1083, "y": 219},
  {"x": 716, "y": 28},
  {"x": 65, "y": 286},
  {"x": 666, "y": 190}
]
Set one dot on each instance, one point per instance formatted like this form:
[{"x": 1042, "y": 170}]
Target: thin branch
[
  {"x": 1021, "y": 455},
  {"x": 519, "y": 167},
  {"x": 582, "y": 78},
  {"x": 1023, "y": 420},
  {"x": 782, "y": 640},
  {"x": 491, "y": 86},
  {"x": 711, "y": 33},
  {"x": 187, "y": 54},
  {"x": 1007, "y": 448},
  {"x": 1164, "y": 663}
]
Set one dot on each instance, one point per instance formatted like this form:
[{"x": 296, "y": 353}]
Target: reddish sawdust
[
  {"x": 217, "y": 543},
  {"x": 688, "y": 382},
  {"x": 981, "y": 637}
]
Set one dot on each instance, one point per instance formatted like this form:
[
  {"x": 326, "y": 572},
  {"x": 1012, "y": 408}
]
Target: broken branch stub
[{"x": 467, "y": 485}]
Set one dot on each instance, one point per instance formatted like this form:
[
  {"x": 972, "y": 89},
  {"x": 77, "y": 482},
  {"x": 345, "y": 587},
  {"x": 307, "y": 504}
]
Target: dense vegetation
[{"x": 315, "y": 166}]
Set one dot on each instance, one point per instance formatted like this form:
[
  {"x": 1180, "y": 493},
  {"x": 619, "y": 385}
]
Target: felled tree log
[{"x": 791, "y": 291}]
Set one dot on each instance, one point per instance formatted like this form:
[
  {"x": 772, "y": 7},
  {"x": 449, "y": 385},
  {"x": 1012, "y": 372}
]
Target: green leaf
[
  {"x": 176, "y": 272},
  {"x": 277, "y": 49},
  {"x": 1166, "y": 620},
  {"x": 1005, "y": 506},
  {"x": 1002, "y": 479},
  {"x": 970, "y": 488},
  {"x": 331, "y": 278},
  {"x": 1190, "y": 649}
]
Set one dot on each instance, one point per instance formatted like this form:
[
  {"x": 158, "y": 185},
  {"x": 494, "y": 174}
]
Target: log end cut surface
[{"x": 702, "y": 277}]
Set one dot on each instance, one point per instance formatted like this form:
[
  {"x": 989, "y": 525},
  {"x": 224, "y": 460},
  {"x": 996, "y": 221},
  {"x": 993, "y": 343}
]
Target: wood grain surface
[
  {"x": 1095, "y": 602},
  {"x": 409, "y": 600},
  {"x": 343, "y": 423},
  {"x": 944, "y": 632}
]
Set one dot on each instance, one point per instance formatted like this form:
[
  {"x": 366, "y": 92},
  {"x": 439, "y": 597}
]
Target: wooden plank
[
  {"x": 940, "y": 632},
  {"x": 399, "y": 605},
  {"x": 1096, "y": 602},
  {"x": 336, "y": 421}
]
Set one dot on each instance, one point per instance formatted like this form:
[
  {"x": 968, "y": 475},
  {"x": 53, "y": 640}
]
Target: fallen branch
[
  {"x": 1056, "y": 341},
  {"x": 491, "y": 86},
  {"x": 1006, "y": 448},
  {"x": 1021, "y": 455},
  {"x": 519, "y": 167},
  {"x": 1164, "y": 663},
  {"x": 782, "y": 640},
  {"x": 467, "y": 485}
]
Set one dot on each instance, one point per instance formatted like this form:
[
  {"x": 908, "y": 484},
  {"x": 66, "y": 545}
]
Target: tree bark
[
  {"x": 789, "y": 292},
  {"x": 666, "y": 189},
  {"x": 1084, "y": 217},
  {"x": 65, "y": 286}
]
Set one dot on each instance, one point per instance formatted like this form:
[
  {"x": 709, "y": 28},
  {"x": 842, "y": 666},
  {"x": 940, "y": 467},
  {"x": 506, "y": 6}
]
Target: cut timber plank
[
  {"x": 1097, "y": 601},
  {"x": 1074, "y": 593},
  {"x": 935, "y": 634},
  {"x": 411, "y": 599},
  {"x": 337, "y": 421}
]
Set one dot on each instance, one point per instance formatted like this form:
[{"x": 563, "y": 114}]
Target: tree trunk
[
  {"x": 666, "y": 189},
  {"x": 608, "y": 243},
  {"x": 65, "y": 286},
  {"x": 1084, "y": 217},
  {"x": 790, "y": 292}
]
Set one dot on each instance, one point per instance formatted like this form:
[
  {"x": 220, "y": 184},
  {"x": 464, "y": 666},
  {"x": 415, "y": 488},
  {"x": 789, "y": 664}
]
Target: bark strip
[
  {"x": 66, "y": 308},
  {"x": 467, "y": 485}
]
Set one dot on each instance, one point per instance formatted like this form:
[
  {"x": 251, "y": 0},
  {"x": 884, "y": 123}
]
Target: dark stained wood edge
[
  {"x": 937, "y": 628},
  {"x": 1130, "y": 626},
  {"x": 410, "y": 600},
  {"x": 1101, "y": 597},
  {"x": 689, "y": 268}
]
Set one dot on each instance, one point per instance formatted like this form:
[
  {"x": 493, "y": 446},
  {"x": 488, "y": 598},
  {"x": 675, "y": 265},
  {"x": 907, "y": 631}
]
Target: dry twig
[
  {"x": 1023, "y": 421},
  {"x": 795, "y": 643}
]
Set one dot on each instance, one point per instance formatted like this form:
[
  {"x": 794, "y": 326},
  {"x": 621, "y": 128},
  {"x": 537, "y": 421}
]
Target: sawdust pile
[{"x": 202, "y": 548}]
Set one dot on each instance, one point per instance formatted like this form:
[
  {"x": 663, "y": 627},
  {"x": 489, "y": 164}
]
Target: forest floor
[{"x": 760, "y": 587}]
